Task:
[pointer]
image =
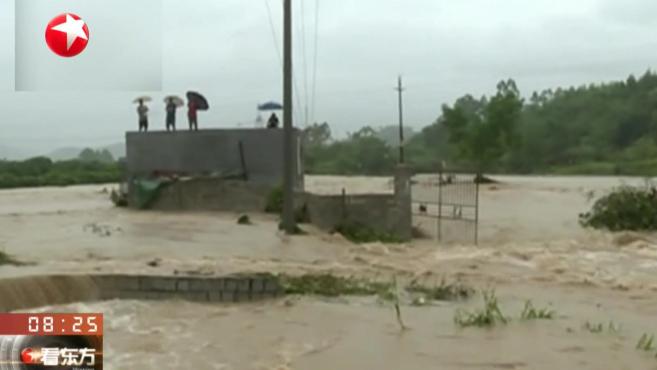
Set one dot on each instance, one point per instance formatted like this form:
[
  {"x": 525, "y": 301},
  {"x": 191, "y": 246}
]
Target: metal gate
[{"x": 455, "y": 207}]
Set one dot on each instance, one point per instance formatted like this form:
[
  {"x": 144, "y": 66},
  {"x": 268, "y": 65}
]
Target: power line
[
  {"x": 280, "y": 58},
  {"x": 314, "y": 84},
  {"x": 273, "y": 33},
  {"x": 304, "y": 52}
]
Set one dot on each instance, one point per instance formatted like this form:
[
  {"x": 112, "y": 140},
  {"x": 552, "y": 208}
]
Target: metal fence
[{"x": 454, "y": 205}]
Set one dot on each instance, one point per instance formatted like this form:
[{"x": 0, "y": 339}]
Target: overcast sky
[{"x": 444, "y": 49}]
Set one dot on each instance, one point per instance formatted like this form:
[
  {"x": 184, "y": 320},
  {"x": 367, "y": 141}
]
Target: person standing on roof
[
  {"x": 171, "y": 114},
  {"x": 273, "y": 121},
  {"x": 142, "y": 112},
  {"x": 192, "y": 116}
]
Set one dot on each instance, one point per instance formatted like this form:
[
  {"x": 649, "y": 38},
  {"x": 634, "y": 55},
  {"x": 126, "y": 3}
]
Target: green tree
[
  {"x": 483, "y": 131},
  {"x": 317, "y": 135}
]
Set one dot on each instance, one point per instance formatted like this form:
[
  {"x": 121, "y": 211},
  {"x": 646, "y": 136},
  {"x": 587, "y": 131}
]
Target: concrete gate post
[{"x": 403, "y": 201}]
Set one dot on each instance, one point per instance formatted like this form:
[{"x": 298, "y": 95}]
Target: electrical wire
[
  {"x": 295, "y": 86},
  {"x": 314, "y": 77},
  {"x": 304, "y": 52}
]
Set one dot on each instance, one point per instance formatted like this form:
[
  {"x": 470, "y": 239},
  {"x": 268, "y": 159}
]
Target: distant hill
[
  {"x": 63, "y": 154},
  {"x": 14, "y": 154}
]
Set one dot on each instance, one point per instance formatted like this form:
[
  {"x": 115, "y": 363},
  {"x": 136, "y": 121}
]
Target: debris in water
[
  {"x": 100, "y": 230},
  {"x": 155, "y": 263},
  {"x": 244, "y": 220}
]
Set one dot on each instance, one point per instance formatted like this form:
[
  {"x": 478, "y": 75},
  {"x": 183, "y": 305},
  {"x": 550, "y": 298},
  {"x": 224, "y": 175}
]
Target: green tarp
[{"x": 146, "y": 191}]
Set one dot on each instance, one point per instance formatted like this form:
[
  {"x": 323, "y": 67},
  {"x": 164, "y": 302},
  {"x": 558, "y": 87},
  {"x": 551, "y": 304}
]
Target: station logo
[
  {"x": 67, "y": 35},
  {"x": 59, "y": 357}
]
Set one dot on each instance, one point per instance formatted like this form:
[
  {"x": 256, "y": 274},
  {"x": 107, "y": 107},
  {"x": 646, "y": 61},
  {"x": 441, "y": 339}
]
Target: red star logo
[
  {"x": 30, "y": 356},
  {"x": 67, "y": 35}
]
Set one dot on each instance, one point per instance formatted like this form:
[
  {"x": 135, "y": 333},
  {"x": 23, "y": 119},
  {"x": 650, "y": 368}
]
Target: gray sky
[
  {"x": 138, "y": 65},
  {"x": 444, "y": 49}
]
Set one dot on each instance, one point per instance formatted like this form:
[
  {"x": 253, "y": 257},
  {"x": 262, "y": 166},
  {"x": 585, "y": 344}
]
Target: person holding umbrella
[
  {"x": 273, "y": 121},
  {"x": 192, "y": 110},
  {"x": 172, "y": 104},
  {"x": 196, "y": 102},
  {"x": 142, "y": 112}
]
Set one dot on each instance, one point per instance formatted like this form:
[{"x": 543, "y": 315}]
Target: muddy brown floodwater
[
  {"x": 310, "y": 333},
  {"x": 531, "y": 249}
]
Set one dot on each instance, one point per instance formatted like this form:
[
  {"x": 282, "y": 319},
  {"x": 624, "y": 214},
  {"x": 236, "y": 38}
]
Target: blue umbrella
[{"x": 270, "y": 106}]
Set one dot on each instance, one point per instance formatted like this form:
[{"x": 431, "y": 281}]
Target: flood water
[
  {"x": 531, "y": 247},
  {"x": 310, "y": 333}
]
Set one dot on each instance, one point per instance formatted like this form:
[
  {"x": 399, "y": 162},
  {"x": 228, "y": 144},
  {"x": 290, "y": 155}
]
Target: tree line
[
  {"x": 608, "y": 128},
  {"x": 91, "y": 167}
]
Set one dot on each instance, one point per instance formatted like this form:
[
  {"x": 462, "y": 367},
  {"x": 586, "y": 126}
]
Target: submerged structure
[{"x": 241, "y": 170}]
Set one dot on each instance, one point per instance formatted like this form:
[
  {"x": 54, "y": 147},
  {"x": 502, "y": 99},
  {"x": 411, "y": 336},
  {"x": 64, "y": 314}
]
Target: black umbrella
[
  {"x": 270, "y": 106},
  {"x": 198, "y": 99}
]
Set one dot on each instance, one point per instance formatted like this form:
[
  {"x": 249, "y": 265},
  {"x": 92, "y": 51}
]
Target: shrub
[
  {"x": 275, "y": 201},
  {"x": 6, "y": 259},
  {"x": 626, "y": 208},
  {"x": 244, "y": 220},
  {"x": 359, "y": 233}
]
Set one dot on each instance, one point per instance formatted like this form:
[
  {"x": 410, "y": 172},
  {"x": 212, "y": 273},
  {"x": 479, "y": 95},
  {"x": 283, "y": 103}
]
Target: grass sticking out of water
[
  {"x": 332, "y": 286},
  {"x": 532, "y": 313},
  {"x": 442, "y": 292},
  {"x": 599, "y": 328},
  {"x": 489, "y": 316},
  {"x": 646, "y": 343},
  {"x": 328, "y": 285},
  {"x": 360, "y": 234}
]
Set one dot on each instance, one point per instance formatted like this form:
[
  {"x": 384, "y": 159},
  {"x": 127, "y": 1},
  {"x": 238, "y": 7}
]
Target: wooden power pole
[
  {"x": 289, "y": 224},
  {"x": 400, "y": 90}
]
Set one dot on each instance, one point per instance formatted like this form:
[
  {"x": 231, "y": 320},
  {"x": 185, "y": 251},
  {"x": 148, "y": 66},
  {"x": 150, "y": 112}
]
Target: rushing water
[
  {"x": 531, "y": 248},
  {"x": 364, "y": 334}
]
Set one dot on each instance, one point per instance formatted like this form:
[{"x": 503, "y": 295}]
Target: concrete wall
[
  {"x": 212, "y": 194},
  {"x": 39, "y": 291},
  {"x": 238, "y": 288},
  {"x": 385, "y": 213},
  {"x": 211, "y": 152}
]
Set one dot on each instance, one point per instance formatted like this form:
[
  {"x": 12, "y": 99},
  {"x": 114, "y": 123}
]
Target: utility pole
[
  {"x": 288, "y": 130},
  {"x": 400, "y": 90}
]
